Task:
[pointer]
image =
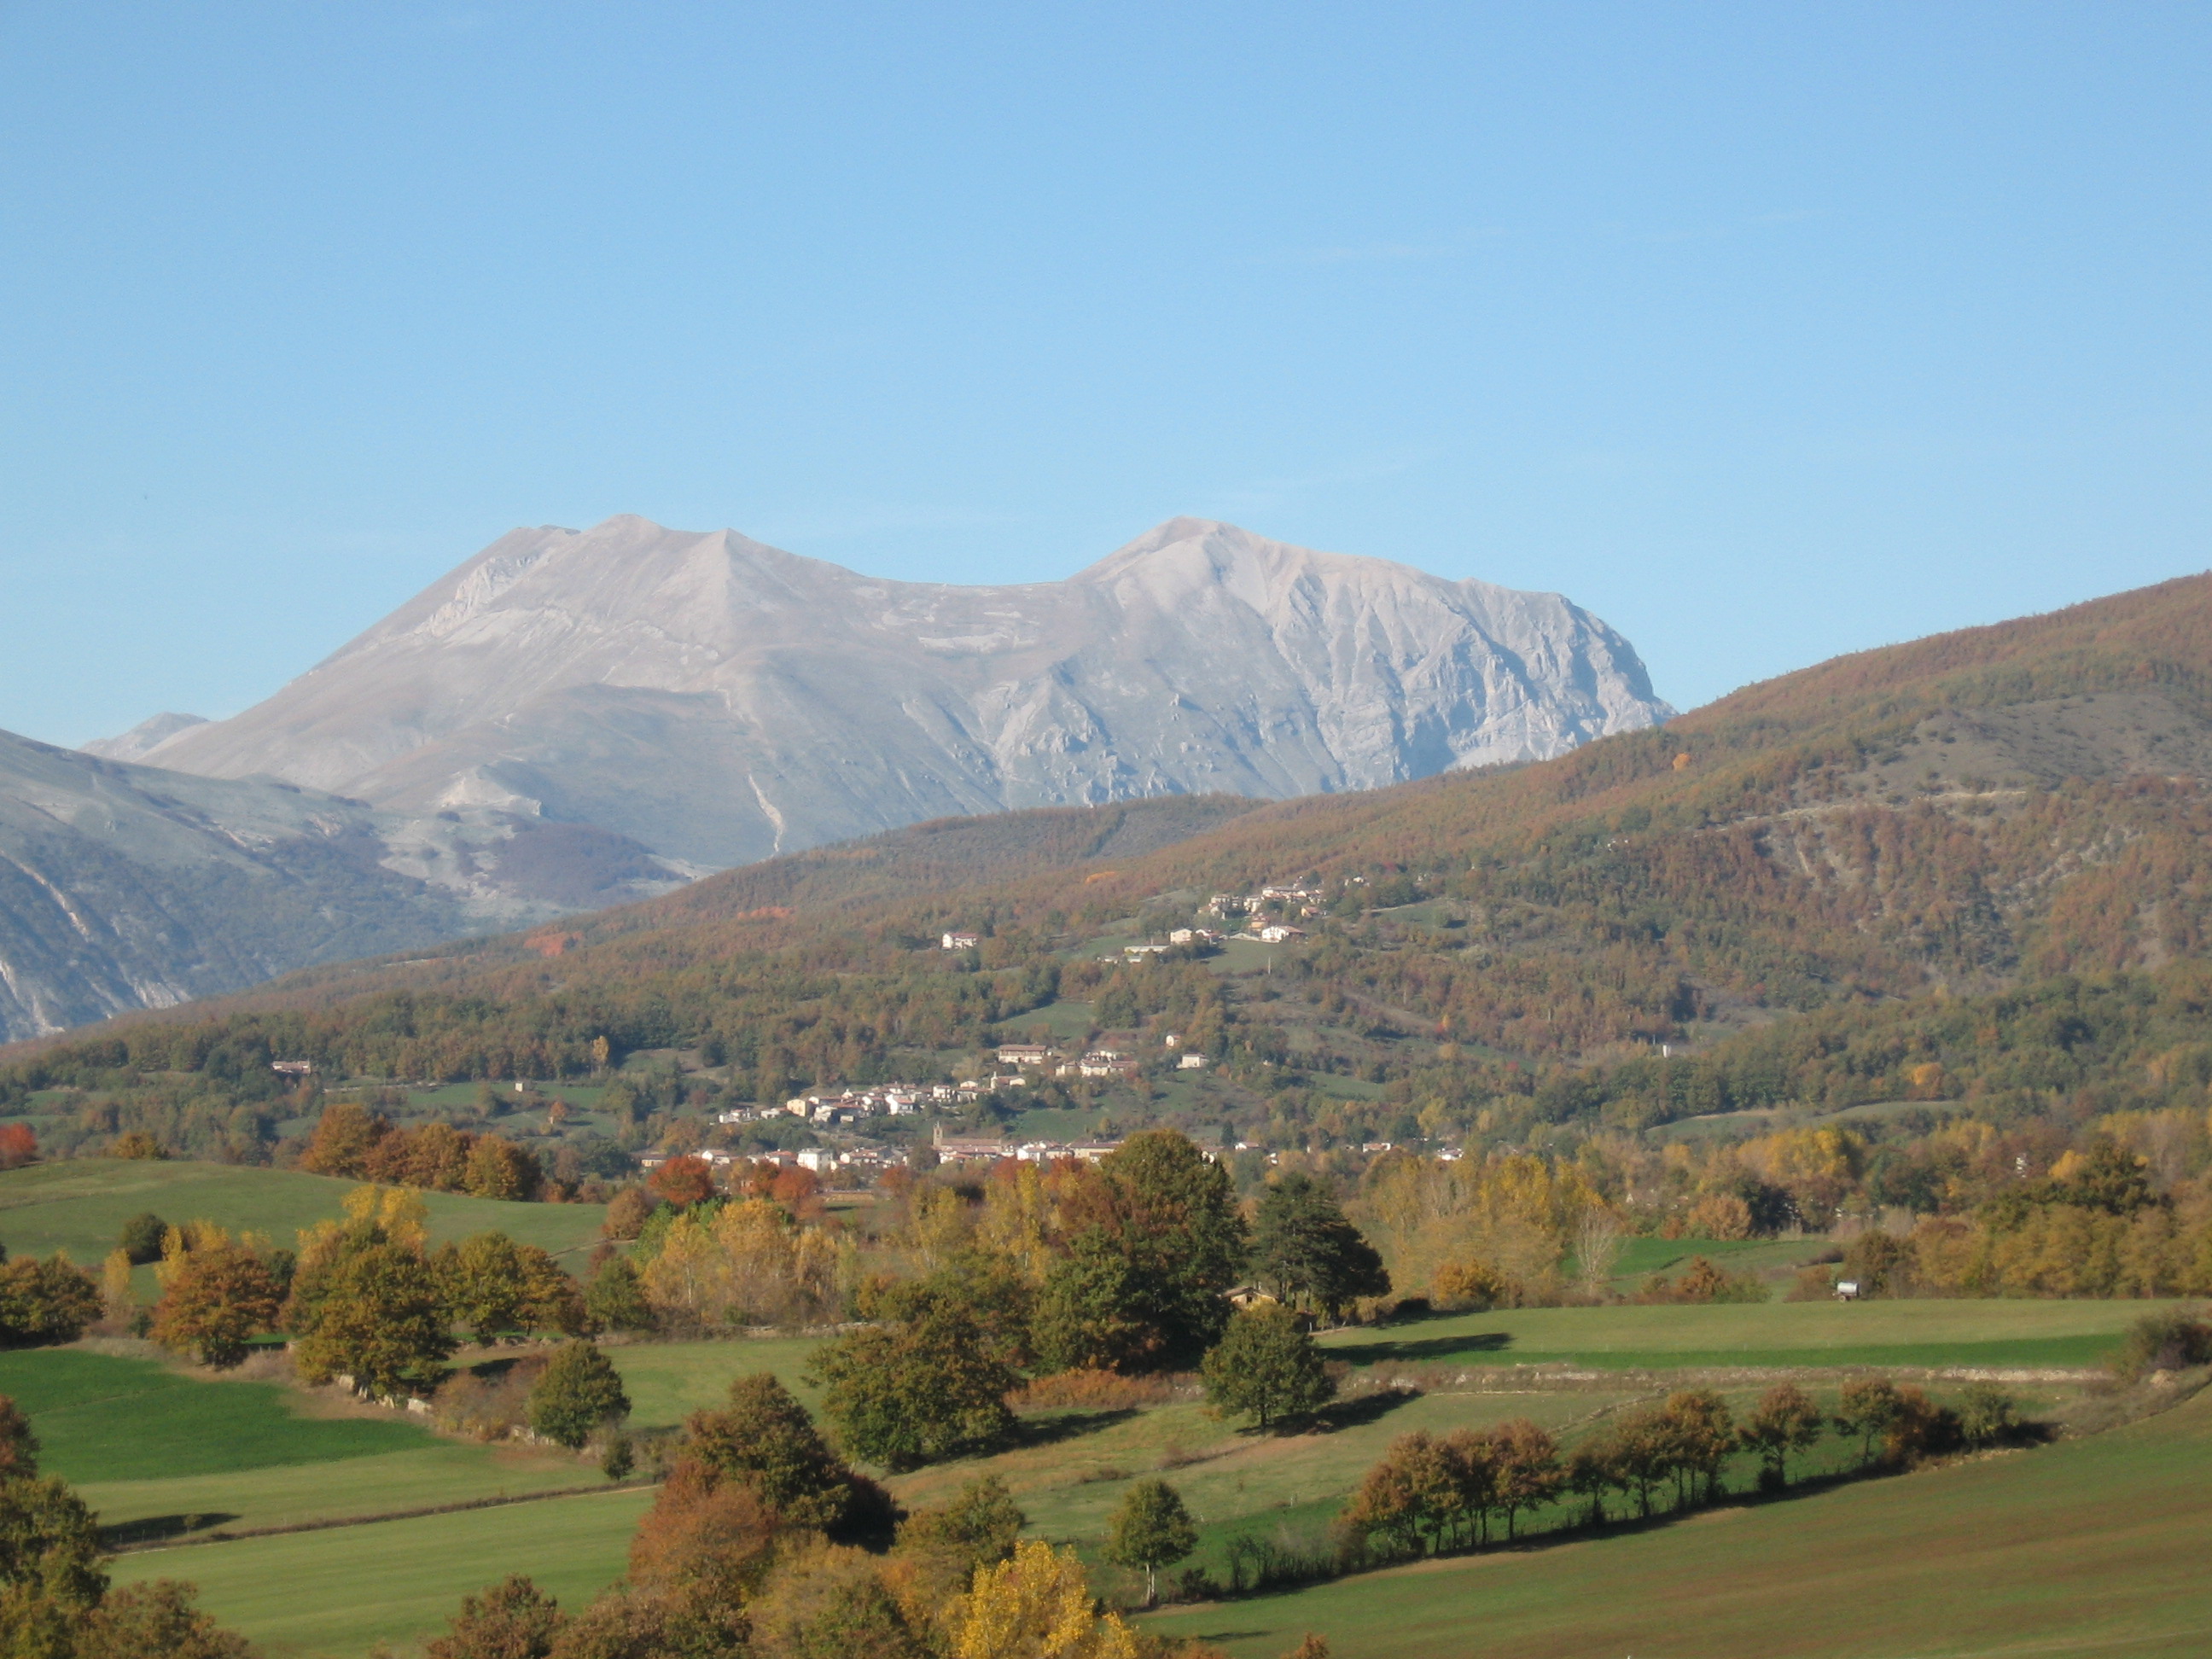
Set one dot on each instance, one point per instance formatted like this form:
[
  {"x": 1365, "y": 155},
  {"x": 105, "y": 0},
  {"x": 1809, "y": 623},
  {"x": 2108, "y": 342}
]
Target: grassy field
[
  {"x": 141, "y": 1439},
  {"x": 2004, "y": 1334},
  {"x": 334, "y": 1594},
  {"x": 338, "y": 1592},
  {"x": 2091, "y": 1546},
  {"x": 666, "y": 1381},
  {"x": 80, "y": 1206},
  {"x": 103, "y": 1416}
]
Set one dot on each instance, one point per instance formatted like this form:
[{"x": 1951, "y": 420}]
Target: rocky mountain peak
[{"x": 721, "y": 700}]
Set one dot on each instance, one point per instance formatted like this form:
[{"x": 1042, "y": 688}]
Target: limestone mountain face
[
  {"x": 718, "y": 700},
  {"x": 125, "y": 887}
]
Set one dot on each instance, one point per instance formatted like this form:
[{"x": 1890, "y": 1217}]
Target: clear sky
[{"x": 1765, "y": 332}]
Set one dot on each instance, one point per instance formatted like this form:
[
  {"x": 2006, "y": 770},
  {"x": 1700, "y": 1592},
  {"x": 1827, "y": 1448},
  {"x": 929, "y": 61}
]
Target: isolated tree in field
[
  {"x": 1597, "y": 1246},
  {"x": 1266, "y": 1368},
  {"x": 1866, "y": 1408},
  {"x": 1306, "y": 1251},
  {"x": 928, "y": 1385},
  {"x": 1785, "y": 1421},
  {"x": 141, "y": 1239},
  {"x": 513, "y": 1619},
  {"x": 217, "y": 1299},
  {"x": 1151, "y": 1529},
  {"x": 1527, "y": 1463},
  {"x": 614, "y": 1301},
  {"x": 578, "y": 1394},
  {"x": 376, "y": 1316}
]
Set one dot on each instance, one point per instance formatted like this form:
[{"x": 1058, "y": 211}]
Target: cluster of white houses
[{"x": 1306, "y": 901}]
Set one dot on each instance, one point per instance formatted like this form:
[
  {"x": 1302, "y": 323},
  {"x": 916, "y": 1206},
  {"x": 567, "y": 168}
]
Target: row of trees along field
[{"x": 1430, "y": 1494}]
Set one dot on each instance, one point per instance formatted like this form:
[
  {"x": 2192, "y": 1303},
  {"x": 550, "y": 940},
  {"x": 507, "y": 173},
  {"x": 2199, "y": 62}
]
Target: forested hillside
[{"x": 1968, "y": 871}]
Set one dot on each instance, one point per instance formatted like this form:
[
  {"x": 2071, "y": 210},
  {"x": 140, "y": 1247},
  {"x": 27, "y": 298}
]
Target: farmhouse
[{"x": 961, "y": 941}]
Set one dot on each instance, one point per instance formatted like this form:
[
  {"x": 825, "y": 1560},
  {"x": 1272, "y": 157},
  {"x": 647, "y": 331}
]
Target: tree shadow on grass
[
  {"x": 1362, "y": 1409},
  {"x": 159, "y": 1529},
  {"x": 1412, "y": 1352},
  {"x": 1066, "y": 1425}
]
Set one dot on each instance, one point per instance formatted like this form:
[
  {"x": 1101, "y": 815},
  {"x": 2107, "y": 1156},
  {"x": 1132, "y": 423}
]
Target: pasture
[
  {"x": 666, "y": 1381},
  {"x": 1789, "y": 1334},
  {"x": 144, "y": 1441},
  {"x": 151, "y": 1444},
  {"x": 336, "y": 1594},
  {"x": 80, "y": 1205},
  {"x": 2091, "y": 1546}
]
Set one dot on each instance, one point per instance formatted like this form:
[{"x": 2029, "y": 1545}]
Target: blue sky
[{"x": 1765, "y": 331}]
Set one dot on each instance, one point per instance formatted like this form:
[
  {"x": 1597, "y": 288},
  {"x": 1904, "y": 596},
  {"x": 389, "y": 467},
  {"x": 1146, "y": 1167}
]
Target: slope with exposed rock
[{"x": 720, "y": 700}]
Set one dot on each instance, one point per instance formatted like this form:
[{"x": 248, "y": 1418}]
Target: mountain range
[
  {"x": 1975, "y": 820},
  {"x": 572, "y": 719},
  {"x": 720, "y": 700}
]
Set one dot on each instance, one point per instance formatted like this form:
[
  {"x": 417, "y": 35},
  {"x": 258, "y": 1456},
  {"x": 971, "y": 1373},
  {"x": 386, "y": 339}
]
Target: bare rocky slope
[
  {"x": 719, "y": 702},
  {"x": 125, "y": 887}
]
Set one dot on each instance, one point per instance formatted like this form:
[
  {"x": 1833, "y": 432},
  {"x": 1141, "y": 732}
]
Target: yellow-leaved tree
[{"x": 1036, "y": 1605}]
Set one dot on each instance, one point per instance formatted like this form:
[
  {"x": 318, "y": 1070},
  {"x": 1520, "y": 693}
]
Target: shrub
[
  {"x": 1089, "y": 1389},
  {"x": 488, "y": 1403},
  {"x": 626, "y": 1214},
  {"x": 1477, "y": 1287},
  {"x": 513, "y": 1619},
  {"x": 2168, "y": 1340},
  {"x": 1988, "y": 1416},
  {"x": 140, "y": 1240}
]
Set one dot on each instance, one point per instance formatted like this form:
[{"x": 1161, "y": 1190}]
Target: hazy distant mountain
[
  {"x": 126, "y": 887},
  {"x": 142, "y": 737},
  {"x": 720, "y": 700}
]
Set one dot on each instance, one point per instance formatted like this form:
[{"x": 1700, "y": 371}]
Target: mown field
[
  {"x": 2091, "y": 1546},
  {"x": 152, "y": 1447},
  {"x": 80, "y": 1206},
  {"x": 1994, "y": 1334}
]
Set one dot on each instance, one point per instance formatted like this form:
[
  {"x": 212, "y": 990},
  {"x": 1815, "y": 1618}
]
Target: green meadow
[
  {"x": 163, "y": 1452},
  {"x": 666, "y": 1381},
  {"x": 146, "y": 1443},
  {"x": 2090, "y": 1546},
  {"x": 337, "y": 1594},
  {"x": 1995, "y": 1334},
  {"x": 80, "y": 1206}
]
